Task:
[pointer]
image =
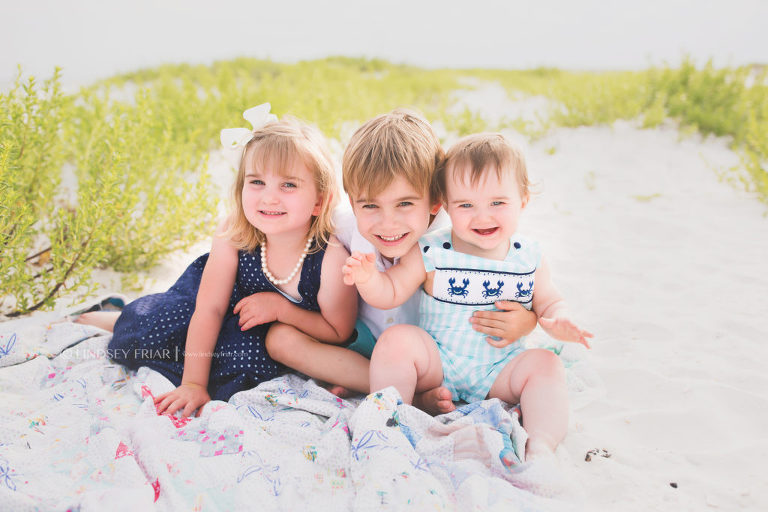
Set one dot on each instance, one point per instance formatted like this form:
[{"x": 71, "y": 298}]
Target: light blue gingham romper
[{"x": 462, "y": 285}]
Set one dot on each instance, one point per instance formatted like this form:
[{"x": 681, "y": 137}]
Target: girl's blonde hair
[
  {"x": 277, "y": 146},
  {"x": 480, "y": 153}
]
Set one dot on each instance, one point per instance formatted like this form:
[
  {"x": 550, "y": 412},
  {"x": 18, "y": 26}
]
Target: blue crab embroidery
[
  {"x": 458, "y": 290},
  {"x": 492, "y": 292},
  {"x": 524, "y": 292}
]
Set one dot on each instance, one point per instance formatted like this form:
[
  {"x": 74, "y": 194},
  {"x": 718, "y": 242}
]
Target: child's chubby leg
[
  {"x": 406, "y": 357},
  {"x": 536, "y": 379},
  {"x": 102, "y": 319},
  {"x": 322, "y": 361}
]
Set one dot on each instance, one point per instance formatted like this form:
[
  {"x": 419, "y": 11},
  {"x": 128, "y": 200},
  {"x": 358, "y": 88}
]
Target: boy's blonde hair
[
  {"x": 400, "y": 143},
  {"x": 482, "y": 152},
  {"x": 276, "y": 146}
]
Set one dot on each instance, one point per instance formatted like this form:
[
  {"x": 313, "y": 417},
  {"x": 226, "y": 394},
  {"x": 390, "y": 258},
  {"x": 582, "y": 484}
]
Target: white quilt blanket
[{"x": 78, "y": 432}]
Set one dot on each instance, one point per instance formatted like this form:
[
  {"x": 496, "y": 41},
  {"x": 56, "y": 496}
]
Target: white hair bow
[{"x": 238, "y": 137}]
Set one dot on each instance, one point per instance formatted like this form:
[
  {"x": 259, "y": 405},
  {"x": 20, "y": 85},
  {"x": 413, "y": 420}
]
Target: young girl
[
  {"x": 479, "y": 260},
  {"x": 206, "y": 333}
]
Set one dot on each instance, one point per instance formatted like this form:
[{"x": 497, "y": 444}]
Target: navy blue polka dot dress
[{"x": 152, "y": 330}]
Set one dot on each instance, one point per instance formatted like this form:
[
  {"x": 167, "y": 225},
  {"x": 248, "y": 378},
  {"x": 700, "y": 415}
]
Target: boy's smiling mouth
[
  {"x": 391, "y": 239},
  {"x": 485, "y": 231}
]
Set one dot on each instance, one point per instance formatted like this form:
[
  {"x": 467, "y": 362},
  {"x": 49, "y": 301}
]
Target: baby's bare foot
[
  {"x": 537, "y": 448},
  {"x": 101, "y": 319},
  {"x": 434, "y": 401}
]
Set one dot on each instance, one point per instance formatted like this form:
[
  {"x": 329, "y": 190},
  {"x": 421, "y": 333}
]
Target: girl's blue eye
[
  {"x": 257, "y": 182},
  {"x": 288, "y": 184},
  {"x": 405, "y": 203},
  {"x": 497, "y": 203},
  {"x": 465, "y": 205},
  {"x": 369, "y": 206}
]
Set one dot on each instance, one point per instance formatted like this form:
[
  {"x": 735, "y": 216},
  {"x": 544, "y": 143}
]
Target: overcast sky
[{"x": 91, "y": 39}]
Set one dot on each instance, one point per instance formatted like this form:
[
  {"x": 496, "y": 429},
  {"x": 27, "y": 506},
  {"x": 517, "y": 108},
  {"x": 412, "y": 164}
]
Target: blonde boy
[
  {"x": 388, "y": 169},
  {"x": 481, "y": 258}
]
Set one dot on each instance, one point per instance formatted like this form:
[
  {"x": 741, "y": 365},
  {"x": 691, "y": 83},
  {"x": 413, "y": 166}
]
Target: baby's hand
[
  {"x": 510, "y": 323},
  {"x": 359, "y": 268},
  {"x": 259, "y": 308},
  {"x": 563, "y": 329},
  {"x": 189, "y": 396}
]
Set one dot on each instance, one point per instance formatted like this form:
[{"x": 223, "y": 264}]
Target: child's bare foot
[
  {"x": 434, "y": 401},
  {"x": 339, "y": 391},
  {"x": 101, "y": 319},
  {"x": 536, "y": 448},
  {"x": 335, "y": 389}
]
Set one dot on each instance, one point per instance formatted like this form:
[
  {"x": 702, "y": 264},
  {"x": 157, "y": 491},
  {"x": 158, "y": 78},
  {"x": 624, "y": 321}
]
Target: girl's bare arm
[
  {"x": 213, "y": 295},
  {"x": 211, "y": 305},
  {"x": 338, "y": 303}
]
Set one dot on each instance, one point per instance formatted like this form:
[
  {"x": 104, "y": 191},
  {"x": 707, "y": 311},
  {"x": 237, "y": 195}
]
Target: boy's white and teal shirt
[{"x": 376, "y": 319}]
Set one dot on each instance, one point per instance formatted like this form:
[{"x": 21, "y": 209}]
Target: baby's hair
[
  {"x": 277, "y": 146},
  {"x": 400, "y": 143},
  {"x": 480, "y": 153}
]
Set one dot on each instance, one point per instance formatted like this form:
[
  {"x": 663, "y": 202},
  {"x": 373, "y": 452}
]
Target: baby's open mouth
[{"x": 486, "y": 231}]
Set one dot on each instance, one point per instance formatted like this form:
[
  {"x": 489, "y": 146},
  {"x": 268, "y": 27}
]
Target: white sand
[{"x": 668, "y": 265}]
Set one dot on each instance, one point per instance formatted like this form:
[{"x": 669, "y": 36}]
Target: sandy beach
[{"x": 666, "y": 262}]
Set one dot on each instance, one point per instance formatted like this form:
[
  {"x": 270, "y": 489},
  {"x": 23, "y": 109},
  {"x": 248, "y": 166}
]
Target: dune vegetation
[{"x": 116, "y": 175}]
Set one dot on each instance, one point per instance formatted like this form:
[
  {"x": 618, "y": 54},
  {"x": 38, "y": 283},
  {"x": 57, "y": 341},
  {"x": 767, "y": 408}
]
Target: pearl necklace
[{"x": 273, "y": 279}]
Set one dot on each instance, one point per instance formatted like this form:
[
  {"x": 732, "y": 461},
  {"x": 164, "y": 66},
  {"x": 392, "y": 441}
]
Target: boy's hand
[
  {"x": 259, "y": 308},
  {"x": 510, "y": 324},
  {"x": 359, "y": 268},
  {"x": 563, "y": 329},
  {"x": 188, "y": 396}
]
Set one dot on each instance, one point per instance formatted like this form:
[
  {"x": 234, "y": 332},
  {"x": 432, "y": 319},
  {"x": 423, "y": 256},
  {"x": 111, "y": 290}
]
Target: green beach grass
[{"x": 115, "y": 175}]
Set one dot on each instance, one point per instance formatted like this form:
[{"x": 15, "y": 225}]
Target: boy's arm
[
  {"x": 510, "y": 324},
  {"x": 551, "y": 309},
  {"x": 385, "y": 290},
  {"x": 338, "y": 304}
]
